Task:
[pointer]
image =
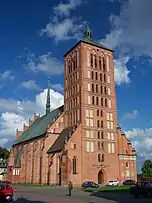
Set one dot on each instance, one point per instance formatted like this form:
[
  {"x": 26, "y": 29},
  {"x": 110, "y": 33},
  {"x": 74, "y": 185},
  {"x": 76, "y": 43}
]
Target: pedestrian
[{"x": 70, "y": 186}]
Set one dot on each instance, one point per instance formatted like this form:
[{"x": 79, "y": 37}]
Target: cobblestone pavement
[{"x": 59, "y": 195}]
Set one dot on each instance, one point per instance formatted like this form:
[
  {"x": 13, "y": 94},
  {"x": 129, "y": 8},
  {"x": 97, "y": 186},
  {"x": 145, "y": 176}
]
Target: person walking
[{"x": 70, "y": 186}]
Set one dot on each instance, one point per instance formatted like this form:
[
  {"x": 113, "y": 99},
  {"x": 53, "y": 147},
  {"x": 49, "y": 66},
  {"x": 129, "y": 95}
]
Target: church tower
[{"x": 90, "y": 99}]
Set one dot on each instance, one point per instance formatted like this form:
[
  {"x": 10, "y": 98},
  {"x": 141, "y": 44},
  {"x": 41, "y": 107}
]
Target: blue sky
[{"x": 34, "y": 36}]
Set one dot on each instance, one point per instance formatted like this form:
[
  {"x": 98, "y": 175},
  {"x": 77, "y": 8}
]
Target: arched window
[
  {"x": 102, "y": 158},
  {"x": 100, "y": 76},
  {"x": 97, "y": 101},
  {"x": 96, "y": 76},
  {"x": 95, "y": 61},
  {"x": 91, "y": 60},
  {"x": 106, "y": 103},
  {"x": 92, "y": 75},
  {"x": 101, "y": 89},
  {"x": 105, "y": 78},
  {"x": 102, "y": 146},
  {"x": 99, "y": 158},
  {"x": 92, "y": 87},
  {"x": 98, "y": 134},
  {"x": 101, "y": 113},
  {"x": 97, "y": 112},
  {"x": 93, "y": 100},
  {"x": 74, "y": 165},
  {"x": 96, "y": 88},
  {"x": 100, "y": 67},
  {"x": 105, "y": 90},
  {"x": 104, "y": 65},
  {"x": 101, "y": 101},
  {"x": 98, "y": 123}
]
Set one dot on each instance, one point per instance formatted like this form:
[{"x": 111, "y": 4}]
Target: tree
[
  {"x": 4, "y": 153},
  {"x": 147, "y": 169}
]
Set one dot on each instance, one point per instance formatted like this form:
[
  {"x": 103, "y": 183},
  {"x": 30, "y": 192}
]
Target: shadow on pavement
[
  {"x": 120, "y": 197},
  {"x": 24, "y": 200}
]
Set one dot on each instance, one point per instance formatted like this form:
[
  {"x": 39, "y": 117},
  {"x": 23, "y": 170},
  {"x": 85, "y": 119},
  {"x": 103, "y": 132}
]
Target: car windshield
[{"x": 111, "y": 181}]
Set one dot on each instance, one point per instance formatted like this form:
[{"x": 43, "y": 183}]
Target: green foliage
[
  {"x": 147, "y": 169},
  {"x": 4, "y": 153}
]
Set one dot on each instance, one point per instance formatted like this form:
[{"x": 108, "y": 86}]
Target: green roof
[
  {"x": 58, "y": 145},
  {"x": 39, "y": 126},
  {"x": 17, "y": 160}
]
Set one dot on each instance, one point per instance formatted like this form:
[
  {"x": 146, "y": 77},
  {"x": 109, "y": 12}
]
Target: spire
[
  {"x": 48, "y": 98},
  {"x": 87, "y": 33}
]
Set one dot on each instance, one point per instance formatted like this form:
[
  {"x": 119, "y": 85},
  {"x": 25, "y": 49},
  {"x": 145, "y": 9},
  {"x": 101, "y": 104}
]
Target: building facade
[{"x": 82, "y": 140}]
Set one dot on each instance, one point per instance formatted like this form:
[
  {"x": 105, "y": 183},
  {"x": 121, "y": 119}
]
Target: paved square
[{"x": 59, "y": 195}]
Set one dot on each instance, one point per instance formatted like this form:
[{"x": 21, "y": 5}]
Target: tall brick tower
[{"x": 90, "y": 99}]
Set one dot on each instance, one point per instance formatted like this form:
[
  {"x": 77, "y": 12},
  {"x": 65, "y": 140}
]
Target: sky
[{"x": 35, "y": 35}]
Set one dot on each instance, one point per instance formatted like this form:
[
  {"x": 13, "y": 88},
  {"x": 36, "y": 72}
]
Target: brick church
[{"x": 81, "y": 140}]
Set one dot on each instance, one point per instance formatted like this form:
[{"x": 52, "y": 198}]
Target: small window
[
  {"x": 91, "y": 60},
  {"x": 98, "y": 123},
  {"x": 101, "y": 113},
  {"x": 101, "y": 89},
  {"x": 101, "y": 101},
  {"x": 101, "y": 124},
  {"x": 104, "y": 77},
  {"x": 97, "y": 101},
  {"x": 97, "y": 112},
  {"x": 92, "y": 75},
  {"x": 99, "y": 158},
  {"x": 102, "y": 158},
  {"x": 95, "y": 61},
  {"x": 96, "y": 88},
  {"x": 96, "y": 76},
  {"x": 93, "y": 100},
  {"x": 100, "y": 76},
  {"x": 92, "y": 87},
  {"x": 100, "y": 66},
  {"x": 98, "y": 134},
  {"x": 102, "y": 135},
  {"x": 74, "y": 164},
  {"x": 106, "y": 103},
  {"x": 102, "y": 146}
]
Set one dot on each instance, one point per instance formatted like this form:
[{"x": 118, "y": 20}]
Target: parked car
[
  {"x": 89, "y": 184},
  {"x": 6, "y": 192},
  {"x": 129, "y": 182},
  {"x": 112, "y": 183},
  {"x": 142, "y": 189}
]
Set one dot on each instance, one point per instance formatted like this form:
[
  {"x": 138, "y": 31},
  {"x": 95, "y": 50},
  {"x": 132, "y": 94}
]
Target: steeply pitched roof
[
  {"x": 39, "y": 126},
  {"x": 91, "y": 42},
  {"x": 58, "y": 145}
]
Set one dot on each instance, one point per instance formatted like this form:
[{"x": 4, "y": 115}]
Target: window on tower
[
  {"x": 100, "y": 66},
  {"x": 104, "y": 65},
  {"x": 96, "y": 76},
  {"x": 100, "y": 76},
  {"x": 92, "y": 87},
  {"x": 101, "y": 89},
  {"x": 91, "y": 61},
  {"x": 104, "y": 77},
  {"x": 95, "y": 61},
  {"x": 96, "y": 88},
  {"x": 97, "y": 101},
  {"x": 93, "y": 100},
  {"x": 97, "y": 112},
  {"x": 92, "y": 75}
]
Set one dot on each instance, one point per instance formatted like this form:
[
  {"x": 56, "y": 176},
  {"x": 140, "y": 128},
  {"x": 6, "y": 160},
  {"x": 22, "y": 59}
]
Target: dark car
[
  {"x": 142, "y": 189},
  {"x": 129, "y": 182},
  {"x": 6, "y": 192},
  {"x": 89, "y": 184}
]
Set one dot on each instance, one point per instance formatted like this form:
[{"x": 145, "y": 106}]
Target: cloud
[
  {"x": 5, "y": 77},
  {"x": 131, "y": 115},
  {"x": 121, "y": 73},
  {"x": 45, "y": 63},
  {"x": 30, "y": 84},
  {"x": 16, "y": 113},
  {"x": 131, "y": 31},
  {"x": 62, "y": 26},
  {"x": 64, "y": 9},
  {"x": 58, "y": 87},
  {"x": 142, "y": 141}
]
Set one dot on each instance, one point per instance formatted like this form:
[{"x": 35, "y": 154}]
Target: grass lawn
[
  {"x": 31, "y": 185},
  {"x": 108, "y": 189}
]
